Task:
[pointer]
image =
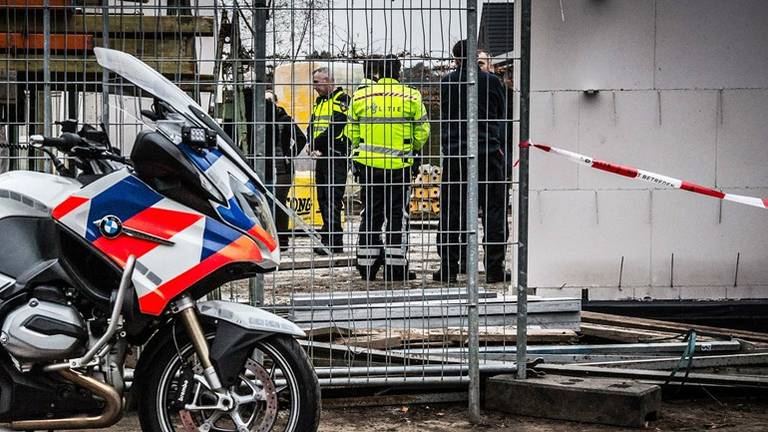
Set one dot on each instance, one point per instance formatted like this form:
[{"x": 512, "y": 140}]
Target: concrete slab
[{"x": 588, "y": 400}]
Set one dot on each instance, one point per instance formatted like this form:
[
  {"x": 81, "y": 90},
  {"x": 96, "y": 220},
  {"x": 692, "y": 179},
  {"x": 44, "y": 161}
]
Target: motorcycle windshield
[
  {"x": 154, "y": 83},
  {"x": 243, "y": 202}
]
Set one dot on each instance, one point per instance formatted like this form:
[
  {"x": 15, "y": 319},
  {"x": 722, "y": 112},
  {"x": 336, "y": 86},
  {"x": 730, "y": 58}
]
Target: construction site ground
[
  {"x": 311, "y": 272},
  {"x": 723, "y": 414}
]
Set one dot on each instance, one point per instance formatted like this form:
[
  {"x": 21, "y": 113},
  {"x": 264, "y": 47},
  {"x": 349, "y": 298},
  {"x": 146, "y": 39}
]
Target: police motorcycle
[{"x": 114, "y": 254}]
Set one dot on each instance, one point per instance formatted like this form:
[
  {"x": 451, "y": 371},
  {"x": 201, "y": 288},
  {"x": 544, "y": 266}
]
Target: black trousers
[
  {"x": 385, "y": 195},
  {"x": 331, "y": 180},
  {"x": 453, "y": 218},
  {"x": 281, "y": 188}
]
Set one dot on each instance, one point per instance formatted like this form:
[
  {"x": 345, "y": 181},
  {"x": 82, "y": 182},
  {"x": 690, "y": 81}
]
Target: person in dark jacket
[
  {"x": 284, "y": 141},
  {"x": 491, "y": 111}
]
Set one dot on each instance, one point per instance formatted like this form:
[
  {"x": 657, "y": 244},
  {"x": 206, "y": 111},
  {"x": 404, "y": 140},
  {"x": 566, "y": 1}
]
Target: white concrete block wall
[{"x": 683, "y": 91}]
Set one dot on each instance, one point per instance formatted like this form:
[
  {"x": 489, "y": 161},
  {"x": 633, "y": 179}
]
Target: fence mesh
[{"x": 375, "y": 180}]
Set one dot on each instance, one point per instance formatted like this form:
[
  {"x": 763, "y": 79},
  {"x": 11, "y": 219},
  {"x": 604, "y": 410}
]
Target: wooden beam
[
  {"x": 78, "y": 65},
  {"x": 32, "y": 4},
  {"x": 628, "y": 335},
  {"x": 171, "y": 49},
  {"x": 669, "y": 326},
  {"x": 150, "y": 27},
  {"x": 36, "y": 42}
]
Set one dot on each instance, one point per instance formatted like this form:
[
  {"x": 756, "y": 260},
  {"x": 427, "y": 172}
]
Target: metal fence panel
[{"x": 450, "y": 208}]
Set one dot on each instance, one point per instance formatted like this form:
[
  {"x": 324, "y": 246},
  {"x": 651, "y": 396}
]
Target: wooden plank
[
  {"x": 172, "y": 48},
  {"x": 381, "y": 341},
  {"x": 149, "y": 27},
  {"x": 32, "y": 4},
  {"x": 669, "y": 326},
  {"x": 628, "y": 335},
  {"x": 78, "y": 65},
  {"x": 36, "y": 42}
]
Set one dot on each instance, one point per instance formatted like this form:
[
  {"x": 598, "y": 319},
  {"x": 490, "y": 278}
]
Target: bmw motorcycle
[{"x": 114, "y": 254}]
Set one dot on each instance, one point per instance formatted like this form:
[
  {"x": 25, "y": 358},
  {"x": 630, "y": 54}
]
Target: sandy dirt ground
[{"x": 732, "y": 415}]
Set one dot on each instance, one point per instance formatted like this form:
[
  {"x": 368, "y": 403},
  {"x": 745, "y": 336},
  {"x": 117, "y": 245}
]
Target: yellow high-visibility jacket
[
  {"x": 328, "y": 123},
  {"x": 387, "y": 123}
]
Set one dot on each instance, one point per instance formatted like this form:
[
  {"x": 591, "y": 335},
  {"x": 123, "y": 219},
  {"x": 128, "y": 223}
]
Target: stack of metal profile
[{"x": 427, "y": 309}]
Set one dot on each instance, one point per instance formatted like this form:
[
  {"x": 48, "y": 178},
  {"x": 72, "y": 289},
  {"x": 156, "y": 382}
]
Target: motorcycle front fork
[{"x": 185, "y": 308}]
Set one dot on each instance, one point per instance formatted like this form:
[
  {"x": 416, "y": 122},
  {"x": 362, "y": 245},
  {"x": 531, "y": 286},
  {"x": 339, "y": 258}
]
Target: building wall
[{"x": 683, "y": 91}]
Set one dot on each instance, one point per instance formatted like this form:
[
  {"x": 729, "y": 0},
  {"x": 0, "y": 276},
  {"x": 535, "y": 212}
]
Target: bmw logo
[{"x": 110, "y": 226}]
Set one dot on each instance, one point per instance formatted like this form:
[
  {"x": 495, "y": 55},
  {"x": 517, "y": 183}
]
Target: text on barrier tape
[{"x": 650, "y": 177}]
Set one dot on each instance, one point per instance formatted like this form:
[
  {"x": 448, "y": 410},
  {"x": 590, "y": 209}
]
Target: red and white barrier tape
[{"x": 650, "y": 177}]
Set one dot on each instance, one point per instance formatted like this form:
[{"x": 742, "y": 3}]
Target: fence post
[
  {"x": 472, "y": 212},
  {"x": 259, "y": 16},
  {"x": 522, "y": 222},
  {"x": 105, "y": 72},
  {"x": 47, "y": 70}
]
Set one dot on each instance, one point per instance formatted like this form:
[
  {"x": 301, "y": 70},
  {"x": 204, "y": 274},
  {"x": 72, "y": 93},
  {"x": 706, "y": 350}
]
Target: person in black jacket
[
  {"x": 283, "y": 142},
  {"x": 453, "y": 190}
]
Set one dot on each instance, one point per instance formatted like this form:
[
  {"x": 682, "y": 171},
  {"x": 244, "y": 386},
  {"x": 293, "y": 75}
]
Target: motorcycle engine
[{"x": 43, "y": 330}]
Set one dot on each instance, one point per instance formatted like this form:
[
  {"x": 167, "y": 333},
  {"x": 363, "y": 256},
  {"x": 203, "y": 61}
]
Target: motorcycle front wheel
[{"x": 277, "y": 391}]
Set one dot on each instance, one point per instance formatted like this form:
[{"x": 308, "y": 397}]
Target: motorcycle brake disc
[{"x": 268, "y": 395}]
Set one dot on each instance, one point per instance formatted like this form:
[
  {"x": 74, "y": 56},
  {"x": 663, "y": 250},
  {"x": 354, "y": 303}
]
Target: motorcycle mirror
[
  {"x": 68, "y": 125},
  {"x": 150, "y": 115}
]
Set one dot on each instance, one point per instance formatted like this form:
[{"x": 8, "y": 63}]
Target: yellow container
[{"x": 302, "y": 199}]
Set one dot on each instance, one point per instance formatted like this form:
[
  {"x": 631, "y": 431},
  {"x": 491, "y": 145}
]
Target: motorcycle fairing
[
  {"x": 199, "y": 245},
  {"x": 216, "y": 166}
]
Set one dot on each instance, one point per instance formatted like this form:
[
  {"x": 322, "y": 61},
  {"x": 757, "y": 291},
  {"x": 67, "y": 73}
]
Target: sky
[{"x": 418, "y": 27}]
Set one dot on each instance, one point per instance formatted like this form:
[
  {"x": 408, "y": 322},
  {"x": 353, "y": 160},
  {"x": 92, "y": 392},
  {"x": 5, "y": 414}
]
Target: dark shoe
[
  {"x": 400, "y": 276},
  {"x": 444, "y": 276},
  {"x": 368, "y": 273},
  {"x": 496, "y": 277}
]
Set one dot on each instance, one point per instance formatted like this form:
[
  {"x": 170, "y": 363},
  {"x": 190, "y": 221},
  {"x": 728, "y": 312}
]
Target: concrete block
[
  {"x": 577, "y": 238},
  {"x": 671, "y": 133},
  {"x": 611, "y": 293},
  {"x": 742, "y": 153},
  {"x": 554, "y": 121},
  {"x": 588, "y": 400},
  {"x": 686, "y": 225},
  {"x": 711, "y": 44},
  {"x": 590, "y": 48},
  {"x": 657, "y": 293},
  {"x": 748, "y": 292},
  {"x": 703, "y": 292}
]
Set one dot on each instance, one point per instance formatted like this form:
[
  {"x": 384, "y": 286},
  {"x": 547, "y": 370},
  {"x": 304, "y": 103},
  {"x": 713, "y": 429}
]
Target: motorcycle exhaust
[{"x": 113, "y": 407}]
